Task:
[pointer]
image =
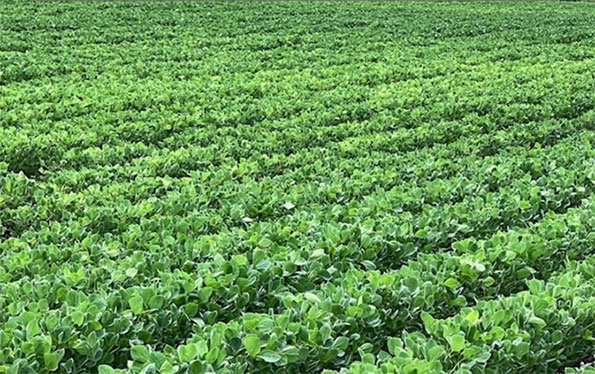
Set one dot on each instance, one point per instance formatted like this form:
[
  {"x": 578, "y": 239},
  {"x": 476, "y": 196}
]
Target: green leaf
[
  {"x": 269, "y": 356},
  {"x": 394, "y": 345},
  {"x": 311, "y": 297},
  {"x": 32, "y": 329},
  {"x": 131, "y": 272},
  {"x": 212, "y": 355},
  {"x": 140, "y": 353},
  {"x": 428, "y": 321},
  {"x": 520, "y": 349},
  {"x": 105, "y": 369},
  {"x": 205, "y": 293},
  {"x": 166, "y": 368},
  {"x": 252, "y": 344},
  {"x": 156, "y": 302},
  {"x": 405, "y": 229},
  {"x": 535, "y": 286},
  {"x": 451, "y": 283},
  {"x": 436, "y": 353},
  {"x": 136, "y": 304},
  {"x": 78, "y": 318},
  {"x": 187, "y": 352},
  {"x": 291, "y": 353},
  {"x": 341, "y": 343},
  {"x": 524, "y": 273},
  {"x": 149, "y": 369},
  {"x": 412, "y": 283},
  {"x": 288, "y": 205},
  {"x": 52, "y": 359},
  {"x": 536, "y": 321},
  {"x": 472, "y": 317},
  {"x": 456, "y": 342},
  {"x": 196, "y": 367},
  {"x": 265, "y": 243},
  {"x": 421, "y": 233},
  {"x": 482, "y": 356}
]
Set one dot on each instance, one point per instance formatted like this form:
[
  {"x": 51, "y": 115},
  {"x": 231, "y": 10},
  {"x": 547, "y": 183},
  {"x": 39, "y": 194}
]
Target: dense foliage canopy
[{"x": 296, "y": 187}]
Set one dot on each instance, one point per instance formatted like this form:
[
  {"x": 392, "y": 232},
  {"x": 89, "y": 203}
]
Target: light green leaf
[
  {"x": 252, "y": 344},
  {"x": 428, "y": 321},
  {"x": 472, "y": 317},
  {"x": 537, "y": 321},
  {"x": 394, "y": 345},
  {"x": 136, "y": 304},
  {"x": 32, "y": 329},
  {"x": 451, "y": 283},
  {"x": 131, "y": 272},
  {"x": 311, "y": 297},
  {"x": 52, "y": 359},
  {"x": 205, "y": 293},
  {"x": 265, "y": 243},
  {"x": 456, "y": 342},
  {"x": 78, "y": 318},
  {"x": 105, "y": 369},
  {"x": 140, "y": 353},
  {"x": 187, "y": 352},
  {"x": 166, "y": 368}
]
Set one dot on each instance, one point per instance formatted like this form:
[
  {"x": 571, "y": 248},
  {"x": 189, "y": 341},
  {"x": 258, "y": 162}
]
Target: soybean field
[{"x": 297, "y": 187}]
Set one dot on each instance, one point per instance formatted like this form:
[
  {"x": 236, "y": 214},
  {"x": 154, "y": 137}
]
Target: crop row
[
  {"x": 541, "y": 329},
  {"x": 438, "y": 281},
  {"x": 512, "y": 331},
  {"x": 315, "y": 184}
]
